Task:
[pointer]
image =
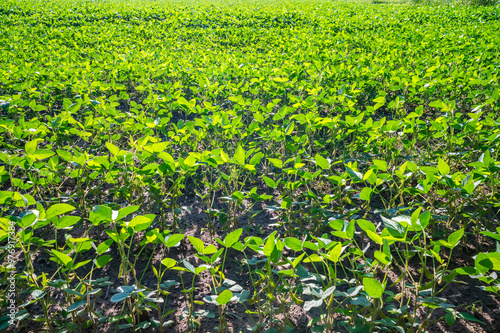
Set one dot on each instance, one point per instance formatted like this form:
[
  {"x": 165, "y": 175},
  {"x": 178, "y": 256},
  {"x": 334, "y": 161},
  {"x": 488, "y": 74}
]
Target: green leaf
[
  {"x": 67, "y": 221},
  {"x": 450, "y": 319},
  {"x": 269, "y": 245},
  {"x": 119, "y": 297},
  {"x": 62, "y": 257},
  {"x": 293, "y": 243},
  {"x": 140, "y": 223},
  {"x": 30, "y": 147},
  {"x": 482, "y": 263},
  {"x": 466, "y": 270},
  {"x": 58, "y": 209},
  {"x": 37, "y": 294},
  {"x": 28, "y": 219},
  {"x": 189, "y": 266},
  {"x": 491, "y": 234},
  {"x": 256, "y": 158},
  {"x": 113, "y": 149},
  {"x": 174, "y": 239},
  {"x": 374, "y": 237},
  {"x": 169, "y": 263},
  {"x": 269, "y": 182},
  {"x": 373, "y": 288},
  {"x": 366, "y": 225},
  {"x": 443, "y": 167},
  {"x": 41, "y": 154},
  {"x": 224, "y": 297},
  {"x": 76, "y": 305},
  {"x": 190, "y": 161},
  {"x": 99, "y": 214},
  {"x": 424, "y": 219},
  {"x": 104, "y": 246},
  {"x": 102, "y": 260},
  {"x": 239, "y": 155},
  {"x": 382, "y": 257},
  {"x": 197, "y": 243},
  {"x": 286, "y": 203},
  {"x": 125, "y": 211},
  {"x": 366, "y": 194},
  {"x": 65, "y": 155},
  {"x": 381, "y": 165},
  {"x": 455, "y": 237},
  {"x": 308, "y": 305},
  {"x": 360, "y": 300},
  {"x": 232, "y": 237},
  {"x": 335, "y": 252},
  {"x": 436, "y": 104},
  {"x": 414, "y": 218},
  {"x": 394, "y": 227},
  {"x": 277, "y": 163},
  {"x": 322, "y": 162},
  {"x": 468, "y": 316},
  {"x": 487, "y": 261},
  {"x": 158, "y": 147}
]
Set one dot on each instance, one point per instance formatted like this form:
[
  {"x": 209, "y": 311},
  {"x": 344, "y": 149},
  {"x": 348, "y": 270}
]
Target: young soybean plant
[
  {"x": 120, "y": 232},
  {"x": 169, "y": 241}
]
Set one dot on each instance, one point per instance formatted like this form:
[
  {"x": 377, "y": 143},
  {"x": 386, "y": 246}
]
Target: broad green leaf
[
  {"x": 382, "y": 257},
  {"x": 269, "y": 182},
  {"x": 168, "y": 262},
  {"x": 37, "y": 294},
  {"x": 394, "y": 227},
  {"x": 443, "y": 167},
  {"x": 190, "y": 161},
  {"x": 104, "y": 246},
  {"x": 58, "y": 209},
  {"x": 41, "y": 154},
  {"x": 381, "y": 165},
  {"x": 293, "y": 243},
  {"x": 308, "y": 305},
  {"x": 366, "y": 225},
  {"x": 139, "y": 223},
  {"x": 224, "y": 297},
  {"x": 487, "y": 261},
  {"x": 455, "y": 237},
  {"x": 62, "y": 257},
  {"x": 277, "y": 163},
  {"x": 424, "y": 219},
  {"x": 76, "y": 305},
  {"x": 468, "y": 316},
  {"x": 415, "y": 218},
  {"x": 100, "y": 214},
  {"x": 125, "y": 211},
  {"x": 102, "y": 260},
  {"x": 197, "y": 243},
  {"x": 30, "y": 147},
  {"x": 239, "y": 155},
  {"x": 28, "y": 218},
  {"x": 256, "y": 158},
  {"x": 112, "y": 148},
  {"x": 270, "y": 245},
  {"x": 373, "y": 288},
  {"x": 174, "y": 239},
  {"x": 374, "y": 237},
  {"x": 232, "y": 237},
  {"x": 322, "y": 162},
  {"x": 335, "y": 252},
  {"x": 67, "y": 221},
  {"x": 366, "y": 193}
]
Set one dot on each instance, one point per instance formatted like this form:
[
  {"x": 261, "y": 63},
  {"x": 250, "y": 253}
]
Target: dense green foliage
[{"x": 367, "y": 135}]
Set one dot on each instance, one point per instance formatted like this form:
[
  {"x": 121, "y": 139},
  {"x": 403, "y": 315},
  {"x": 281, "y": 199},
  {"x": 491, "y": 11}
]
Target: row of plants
[
  {"x": 343, "y": 157},
  {"x": 335, "y": 276}
]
